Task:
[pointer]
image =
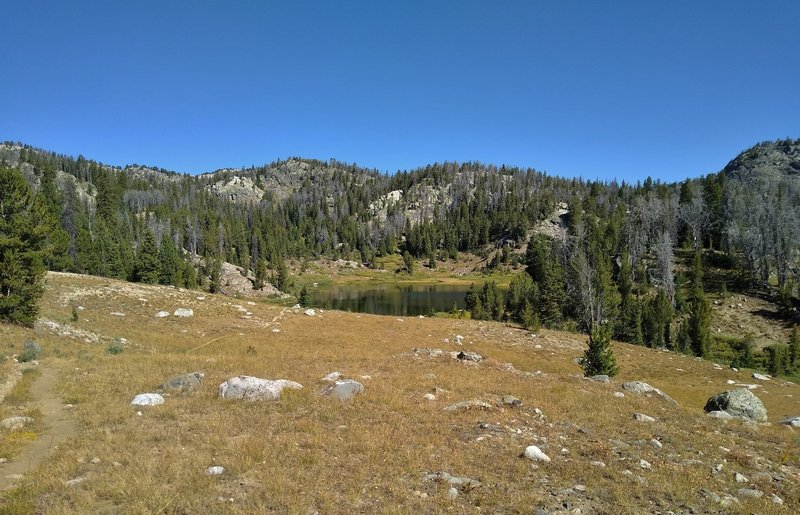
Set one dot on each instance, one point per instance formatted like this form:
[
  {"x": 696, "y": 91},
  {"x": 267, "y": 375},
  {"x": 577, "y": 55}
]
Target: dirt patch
[{"x": 59, "y": 423}]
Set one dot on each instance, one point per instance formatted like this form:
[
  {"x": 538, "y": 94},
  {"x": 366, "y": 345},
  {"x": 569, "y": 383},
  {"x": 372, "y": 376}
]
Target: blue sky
[{"x": 621, "y": 89}]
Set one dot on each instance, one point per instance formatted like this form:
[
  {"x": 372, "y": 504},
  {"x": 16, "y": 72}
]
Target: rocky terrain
[{"x": 198, "y": 402}]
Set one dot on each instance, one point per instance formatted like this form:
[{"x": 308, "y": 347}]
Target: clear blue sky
[{"x": 600, "y": 89}]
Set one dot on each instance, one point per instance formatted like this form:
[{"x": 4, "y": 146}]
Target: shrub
[{"x": 30, "y": 351}]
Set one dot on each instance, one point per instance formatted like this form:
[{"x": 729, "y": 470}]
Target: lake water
[{"x": 391, "y": 299}]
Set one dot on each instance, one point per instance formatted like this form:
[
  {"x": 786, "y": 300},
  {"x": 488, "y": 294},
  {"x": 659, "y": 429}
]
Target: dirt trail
[{"x": 60, "y": 424}]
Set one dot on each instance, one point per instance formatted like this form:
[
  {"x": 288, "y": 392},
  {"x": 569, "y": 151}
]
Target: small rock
[
  {"x": 276, "y": 330},
  {"x": 310, "y": 312},
  {"x": 761, "y": 377},
  {"x": 510, "y": 400},
  {"x": 467, "y": 405},
  {"x": 15, "y": 423},
  {"x": 740, "y": 478},
  {"x": 429, "y": 397},
  {"x": 138, "y": 413},
  {"x": 791, "y": 421},
  {"x": 602, "y": 378},
  {"x": 656, "y": 444},
  {"x": 777, "y": 500},
  {"x": 722, "y": 415},
  {"x": 464, "y": 484},
  {"x": 645, "y": 465},
  {"x": 147, "y": 399},
  {"x": 535, "y": 454},
  {"x": 183, "y": 312},
  {"x": 619, "y": 395},
  {"x": 215, "y": 470},
  {"x": 645, "y": 389},
  {"x": 162, "y": 314},
  {"x": 452, "y": 493},
  {"x": 730, "y": 381},
  {"x": 255, "y": 388},
  {"x": 469, "y": 356},
  {"x": 750, "y": 493},
  {"x": 117, "y": 314},
  {"x": 76, "y": 481},
  {"x": 95, "y": 461},
  {"x": 421, "y": 495},
  {"x": 641, "y": 417},
  {"x": 183, "y": 383},
  {"x": 597, "y": 463},
  {"x": 344, "y": 390},
  {"x": 332, "y": 377}
]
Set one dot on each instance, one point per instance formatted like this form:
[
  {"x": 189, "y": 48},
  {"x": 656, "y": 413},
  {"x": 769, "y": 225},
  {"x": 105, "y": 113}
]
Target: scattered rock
[
  {"x": 183, "y": 312},
  {"x": 739, "y": 403},
  {"x": 452, "y": 492},
  {"x": 777, "y": 500},
  {"x": 215, "y": 470},
  {"x": 344, "y": 390},
  {"x": 645, "y": 465},
  {"x": 750, "y": 493},
  {"x": 619, "y": 395},
  {"x": 469, "y": 356},
  {"x": 310, "y": 312},
  {"x": 15, "y": 423},
  {"x": 95, "y": 461},
  {"x": 467, "y": 405},
  {"x": 162, "y": 314},
  {"x": 147, "y": 399},
  {"x": 740, "y": 478},
  {"x": 117, "y": 314},
  {"x": 642, "y": 388},
  {"x": 597, "y": 463},
  {"x": 534, "y": 453},
  {"x": 761, "y": 377},
  {"x": 255, "y": 389},
  {"x": 510, "y": 400},
  {"x": 464, "y": 484},
  {"x": 332, "y": 377},
  {"x": 791, "y": 421},
  {"x": 602, "y": 378},
  {"x": 76, "y": 481},
  {"x": 429, "y": 397},
  {"x": 722, "y": 415},
  {"x": 730, "y": 381},
  {"x": 181, "y": 383},
  {"x": 641, "y": 417}
]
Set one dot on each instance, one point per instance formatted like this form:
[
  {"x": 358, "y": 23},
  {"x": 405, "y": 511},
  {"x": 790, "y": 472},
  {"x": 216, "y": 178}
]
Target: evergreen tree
[
  {"x": 170, "y": 272},
  {"x": 699, "y": 324},
  {"x": 778, "y": 359},
  {"x": 280, "y": 279},
  {"x": 214, "y": 271},
  {"x": 599, "y": 357},
  {"x": 304, "y": 299},
  {"x": 261, "y": 275},
  {"x": 147, "y": 266},
  {"x": 408, "y": 262},
  {"x": 24, "y": 225},
  {"x": 794, "y": 348}
]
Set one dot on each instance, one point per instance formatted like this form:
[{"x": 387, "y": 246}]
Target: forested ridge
[{"x": 612, "y": 263}]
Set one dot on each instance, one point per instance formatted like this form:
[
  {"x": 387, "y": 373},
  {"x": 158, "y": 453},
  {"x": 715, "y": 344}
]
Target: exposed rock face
[
  {"x": 771, "y": 160},
  {"x": 185, "y": 382},
  {"x": 645, "y": 389},
  {"x": 255, "y": 389},
  {"x": 738, "y": 403},
  {"x": 344, "y": 390},
  {"x": 147, "y": 399}
]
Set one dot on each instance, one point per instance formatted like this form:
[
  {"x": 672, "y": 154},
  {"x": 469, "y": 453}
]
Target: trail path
[{"x": 60, "y": 424}]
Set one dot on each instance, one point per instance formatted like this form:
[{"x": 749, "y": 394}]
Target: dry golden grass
[{"x": 310, "y": 453}]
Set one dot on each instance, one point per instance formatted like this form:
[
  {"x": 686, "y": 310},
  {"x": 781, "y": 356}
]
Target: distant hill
[{"x": 771, "y": 159}]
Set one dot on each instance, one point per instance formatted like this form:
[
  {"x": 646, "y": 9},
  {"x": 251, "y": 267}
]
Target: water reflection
[{"x": 397, "y": 300}]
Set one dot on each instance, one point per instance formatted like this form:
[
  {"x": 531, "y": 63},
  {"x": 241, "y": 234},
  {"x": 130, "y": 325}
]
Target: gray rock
[
  {"x": 14, "y": 423},
  {"x": 791, "y": 421},
  {"x": 147, "y": 399},
  {"x": 510, "y": 400},
  {"x": 641, "y": 417},
  {"x": 751, "y": 493},
  {"x": 602, "y": 378},
  {"x": 645, "y": 464},
  {"x": 183, "y": 313},
  {"x": 255, "y": 389},
  {"x": 183, "y": 383},
  {"x": 467, "y": 405},
  {"x": 452, "y": 492},
  {"x": 162, "y": 314},
  {"x": 761, "y": 377},
  {"x": 739, "y": 403},
  {"x": 740, "y": 478},
  {"x": 722, "y": 415},
  {"x": 469, "y": 356},
  {"x": 332, "y": 377},
  {"x": 645, "y": 389},
  {"x": 310, "y": 312},
  {"x": 535, "y": 454},
  {"x": 464, "y": 484},
  {"x": 344, "y": 390},
  {"x": 429, "y": 397},
  {"x": 76, "y": 481},
  {"x": 215, "y": 470}
]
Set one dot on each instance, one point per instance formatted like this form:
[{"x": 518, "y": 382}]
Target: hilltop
[{"x": 391, "y": 448}]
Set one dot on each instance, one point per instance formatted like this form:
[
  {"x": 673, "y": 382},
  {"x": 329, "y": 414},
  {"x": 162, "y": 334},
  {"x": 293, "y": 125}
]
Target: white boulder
[
  {"x": 255, "y": 389},
  {"x": 147, "y": 399},
  {"x": 183, "y": 312},
  {"x": 534, "y": 453}
]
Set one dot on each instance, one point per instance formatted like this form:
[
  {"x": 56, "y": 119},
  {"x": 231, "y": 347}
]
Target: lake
[{"x": 390, "y": 299}]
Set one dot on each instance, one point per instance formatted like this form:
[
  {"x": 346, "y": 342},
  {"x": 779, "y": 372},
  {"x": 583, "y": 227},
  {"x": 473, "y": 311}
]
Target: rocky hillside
[{"x": 769, "y": 160}]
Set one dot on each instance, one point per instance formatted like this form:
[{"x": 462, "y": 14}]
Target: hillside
[
  {"x": 374, "y": 452},
  {"x": 769, "y": 160}
]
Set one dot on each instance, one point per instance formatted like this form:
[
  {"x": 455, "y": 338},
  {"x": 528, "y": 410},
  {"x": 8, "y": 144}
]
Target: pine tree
[
  {"x": 794, "y": 348},
  {"x": 214, "y": 271},
  {"x": 304, "y": 299},
  {"x": 599, "y": 357},
  {"x": 147, "y": 266},
  {"x": 24, "y": 226},
  {"x": 699, "y": 324},
  {"x": 261, "y": 275},
  {"x": 170, "y": 272}
]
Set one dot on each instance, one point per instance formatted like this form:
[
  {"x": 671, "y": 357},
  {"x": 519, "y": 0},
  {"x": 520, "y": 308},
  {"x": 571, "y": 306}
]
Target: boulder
[
  {"x": 147, "y": 399},
  {"x": 761, "y": 377},
  {"x": 185, "y": 382},
  {"x": 255, "y": 388},
  {"x": 344, "y": 390},
  {"x": 791, "y": 421},
  {"x": 645, "y": 389},
  {"x": 183, "y": 312},
  {"x": 14, "y": 423},
  {"x": 534, "y": 453},
  {"x": 738, "y": 403},
  {"x": 469, "y": 356}
]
